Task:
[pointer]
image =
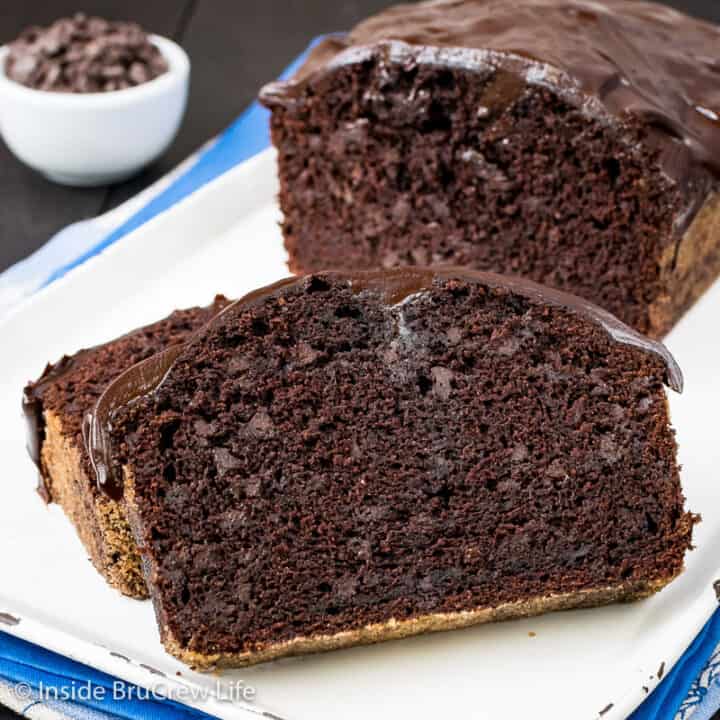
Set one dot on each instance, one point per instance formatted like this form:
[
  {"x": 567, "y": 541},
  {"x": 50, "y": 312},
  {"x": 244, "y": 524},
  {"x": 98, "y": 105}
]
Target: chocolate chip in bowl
[
  {"x": 87, "y": 101},
  {"x": 84, "y": 54}
]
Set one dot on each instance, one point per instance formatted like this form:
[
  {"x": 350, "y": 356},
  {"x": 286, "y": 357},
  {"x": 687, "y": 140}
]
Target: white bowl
[{"x": 90, "y": 139}]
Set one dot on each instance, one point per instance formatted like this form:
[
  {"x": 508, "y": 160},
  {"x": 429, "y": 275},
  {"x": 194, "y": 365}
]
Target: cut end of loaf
[{"x": 346, "y": 458}]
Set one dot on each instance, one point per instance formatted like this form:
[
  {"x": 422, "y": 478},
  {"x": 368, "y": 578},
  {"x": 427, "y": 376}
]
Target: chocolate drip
[
  {"x": 34, "y": 426},
  {"x": 626, "y": 59},
  {"x": 394, "y": 286},
  {"x": 33, "y": 411},
  {"x": 139, "y": 380}
]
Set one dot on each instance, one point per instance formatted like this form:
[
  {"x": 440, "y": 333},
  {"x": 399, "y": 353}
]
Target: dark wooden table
[{"x": 235, "y": 46}]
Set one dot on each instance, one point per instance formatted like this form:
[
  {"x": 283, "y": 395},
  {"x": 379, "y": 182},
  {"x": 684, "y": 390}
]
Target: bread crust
[
  {"x": 99, "y": 520},
  {"x": 392, "y": 629},
  {"x": 395, "y": 629},
  {"x": 688, "y": 269}
]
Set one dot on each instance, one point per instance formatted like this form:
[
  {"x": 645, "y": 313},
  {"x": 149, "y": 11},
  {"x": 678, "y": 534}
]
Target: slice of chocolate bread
[
  {"x": 347, "y": 458},
  {"x": 576, "y": 143},
  {"x": 55, "y": 406}
]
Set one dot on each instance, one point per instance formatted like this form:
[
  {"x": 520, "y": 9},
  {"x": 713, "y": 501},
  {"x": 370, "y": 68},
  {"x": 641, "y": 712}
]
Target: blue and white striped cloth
[
  {"x": 42, "y": 685},
  {"x": 690, "y": 691}
]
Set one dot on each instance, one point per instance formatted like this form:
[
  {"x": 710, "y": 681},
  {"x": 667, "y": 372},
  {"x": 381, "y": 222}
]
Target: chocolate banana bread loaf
[
  {"x": 576, "y": 143},
  {"x": 347, "y": 458},
  {"x": 55, "y": 406}
]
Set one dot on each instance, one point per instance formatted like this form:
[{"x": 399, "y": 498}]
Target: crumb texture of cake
[
  {"x": 574, "y": 143},
  {"x": 348, "y": 458},
  {"x": 55, "y": 406}
]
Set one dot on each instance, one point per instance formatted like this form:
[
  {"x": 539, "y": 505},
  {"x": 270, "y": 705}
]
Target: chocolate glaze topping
[
  {"x": 394, "y": 286},
  {"x": 139, "y": 380},
  {"x": 628, "y": 59},
  {"x": 135, "y": 344}
]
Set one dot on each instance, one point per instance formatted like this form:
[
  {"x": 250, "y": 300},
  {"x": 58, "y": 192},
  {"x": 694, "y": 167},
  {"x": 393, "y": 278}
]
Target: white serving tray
[{"x": 225, "y": 238}]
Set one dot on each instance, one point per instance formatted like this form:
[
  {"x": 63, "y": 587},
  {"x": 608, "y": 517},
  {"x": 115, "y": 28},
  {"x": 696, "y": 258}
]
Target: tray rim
[{"x": 178, "y": 221}]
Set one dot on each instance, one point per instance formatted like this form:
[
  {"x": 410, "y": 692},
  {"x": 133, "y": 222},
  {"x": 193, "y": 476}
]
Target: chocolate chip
[
  {"x": 454, "y": 335},
  {"x": 346, "y": 587},
  {"x": 253, "y": 486},
  {"x": 519, "y": 453},
  {"x": 261, "y": 424},
  {"x": 81, "y": 55},
  {"x": 442, "y": 381},
  {"x": 556, "y": 470},
  {"x": 138, "y": 73},
  {"x": 306, "y": 354},
  {"x": 509, "y": 345},
  {"x": 609, "y": 450},
  {"x": 225, "y": 461},
  {"x": 25, "y": 65},
  {"x": 112, "y": 71}
]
